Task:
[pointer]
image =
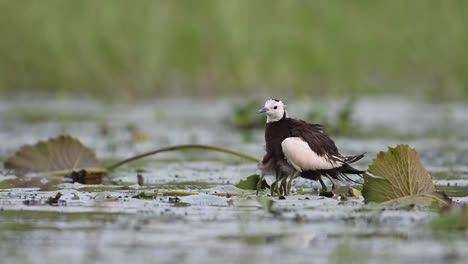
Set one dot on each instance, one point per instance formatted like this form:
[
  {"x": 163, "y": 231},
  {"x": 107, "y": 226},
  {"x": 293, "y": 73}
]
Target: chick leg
[
  {"x": 283, "y": 185},
  {"x": 259, "y": 183},
  {"x": 292, "y": 177},
  {"x": 273, "y": 188}
]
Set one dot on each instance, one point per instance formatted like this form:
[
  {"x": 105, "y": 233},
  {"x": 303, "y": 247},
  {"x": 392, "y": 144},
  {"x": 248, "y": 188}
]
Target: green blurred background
[{"x": 134, "y": 49}]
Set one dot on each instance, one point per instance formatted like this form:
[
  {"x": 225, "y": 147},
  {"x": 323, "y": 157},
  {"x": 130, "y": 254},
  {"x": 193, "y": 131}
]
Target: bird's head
[{"x": 274, "y": 110}]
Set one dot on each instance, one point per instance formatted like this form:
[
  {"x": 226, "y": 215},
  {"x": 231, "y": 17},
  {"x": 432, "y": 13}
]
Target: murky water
[{"x": 218, "y": 222}]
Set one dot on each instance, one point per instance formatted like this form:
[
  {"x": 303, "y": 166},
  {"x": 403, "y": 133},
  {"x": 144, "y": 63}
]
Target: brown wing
[{"x": 318, "y": 141}]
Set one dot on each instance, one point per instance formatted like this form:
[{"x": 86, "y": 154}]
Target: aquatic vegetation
[
  {"x": 58, "y": 156},
  {"x": 394, "y": 176},
  {"x": 266, "y": 203},
  {"x": 454, "y": 219},
  {"x": 245, "y": 116},
  {"x": 250, "y": 183},
  {"x": 342, "y": 124},
  {"x": 353, "y": 192},
  {"x": 188, "y": 210},
  {"x": 397, "y": 176},
  {"x": 67, "y": 156}
]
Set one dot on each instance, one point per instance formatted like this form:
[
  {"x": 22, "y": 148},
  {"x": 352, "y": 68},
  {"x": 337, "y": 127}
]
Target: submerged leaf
[
  {"x": 266, "y": 203},
  {"x": 397, "y": 175},
  {"x": 59, "y": 156},
  {"x": 454, "y": 219}
]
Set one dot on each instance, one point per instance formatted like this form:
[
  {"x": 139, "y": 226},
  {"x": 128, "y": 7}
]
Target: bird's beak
[{"x": 263, "y": 110}]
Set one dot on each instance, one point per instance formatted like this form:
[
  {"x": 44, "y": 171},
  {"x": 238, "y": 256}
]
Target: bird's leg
[
  {"x": 273, "y": 187},
  {"x": 278, "y": 189},
  {"x": 332, "y": 181},
  {"x": 324, "y": 187},
  {"x": 259, "y": 183},
  {"x": 281, "y": 188},
  {"x": 288, "y": 190},
  {"x": 283, "y": 185},
  {"x": 292, "y": 177}
]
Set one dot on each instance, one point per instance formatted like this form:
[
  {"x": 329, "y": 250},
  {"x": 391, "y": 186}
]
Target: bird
[{"x": 296, "y": 148}]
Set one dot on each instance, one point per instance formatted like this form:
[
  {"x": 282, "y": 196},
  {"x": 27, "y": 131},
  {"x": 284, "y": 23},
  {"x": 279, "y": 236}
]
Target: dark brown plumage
[{"x": 283, "y": 127}]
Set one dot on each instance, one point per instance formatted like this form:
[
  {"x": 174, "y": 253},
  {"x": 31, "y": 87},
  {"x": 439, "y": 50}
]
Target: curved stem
[{"x": 179, "y": 147}]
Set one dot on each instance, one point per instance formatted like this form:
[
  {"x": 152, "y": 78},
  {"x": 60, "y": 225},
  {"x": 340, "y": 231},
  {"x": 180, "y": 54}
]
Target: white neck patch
[{"x": 274, "y": 110}]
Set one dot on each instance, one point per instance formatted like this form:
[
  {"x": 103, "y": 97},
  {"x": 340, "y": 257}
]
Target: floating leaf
[
  {"x": 352, "y": 192},
  {"x": 250, "y": 183},
  {"x": 67, "y": 156},
  {"x": 57, "y": 156},
  {"x": 397, "y": 175}
]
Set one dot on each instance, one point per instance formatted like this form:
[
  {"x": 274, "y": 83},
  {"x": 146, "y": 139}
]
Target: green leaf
[
  {"x": 397, "y": 175},
  {"x": 354, "y": 192},
  {"x": 266, "y": 203},
  {"x": 57, "y": 156},
  {"x": 454, "y": 219},
  {"x": 250, "y": 183}
]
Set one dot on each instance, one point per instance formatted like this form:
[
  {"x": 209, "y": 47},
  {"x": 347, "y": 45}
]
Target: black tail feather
[
  {"x": 351, "y": 159},
  {"x": 347, "y": 169},
  {"x": 336, "y": 173}
]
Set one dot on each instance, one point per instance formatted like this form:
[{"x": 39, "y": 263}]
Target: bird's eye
[{"x": 275, "y": 107}]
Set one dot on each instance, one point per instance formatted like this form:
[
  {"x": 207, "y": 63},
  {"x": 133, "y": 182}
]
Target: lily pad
[
  {"x": 56, "y": 156},
  {"x": 250, "y": 183},
  {"x": 397, "y": 175}
]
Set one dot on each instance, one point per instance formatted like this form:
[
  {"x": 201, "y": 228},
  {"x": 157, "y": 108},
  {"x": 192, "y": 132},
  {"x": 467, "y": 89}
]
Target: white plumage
[{"x": 298, "y": 153}]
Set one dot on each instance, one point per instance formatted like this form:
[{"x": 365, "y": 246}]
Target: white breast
[{"x": 302, "y": 158}]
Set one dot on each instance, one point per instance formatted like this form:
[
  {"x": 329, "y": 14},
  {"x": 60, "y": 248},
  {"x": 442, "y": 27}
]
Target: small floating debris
[
  {"x": 54, "y": 201},
  {"x": 140, "y": 180},
  {"x": 173, "y": 199}
]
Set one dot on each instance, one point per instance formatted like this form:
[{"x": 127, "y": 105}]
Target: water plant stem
[{"x": 181, "y": 147}]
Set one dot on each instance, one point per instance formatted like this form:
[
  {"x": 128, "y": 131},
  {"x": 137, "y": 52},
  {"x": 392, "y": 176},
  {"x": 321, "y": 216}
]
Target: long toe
[
  {"x": 324, "y": 187},
  {"x": 283, "y": 187},
  {"x": 272, "y": 188},
  {"x": 259, "y": 185},
  {"x": 332, "y": 182},
  {"x": 288, "y": 192},
  {"x": 278, "y": 189}
]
